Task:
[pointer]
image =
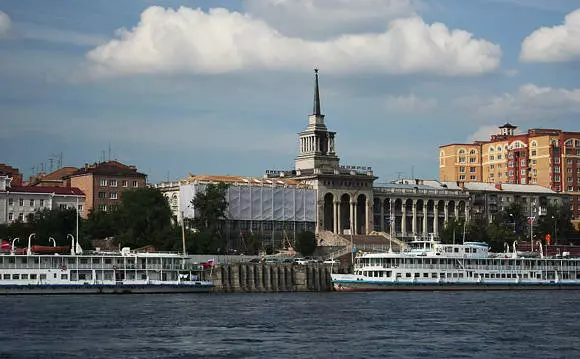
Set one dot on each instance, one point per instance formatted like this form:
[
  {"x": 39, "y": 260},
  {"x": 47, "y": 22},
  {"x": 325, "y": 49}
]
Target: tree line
[{"x": 513, "y": 224}]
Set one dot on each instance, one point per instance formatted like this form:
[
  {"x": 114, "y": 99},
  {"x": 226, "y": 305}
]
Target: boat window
[
  {"x": 460, "y": 275},
  {"x": 425, "y": 275},
  {"x": 433, "y": 275},
  {"x": 54, "y": 275},
  {"x": 408, "y": 275},
  {"x": 11, "y": 260},
  {"x": 6, "y": 277},
  {"x": 486, "y": 275},
  {"x": 33, "y": 276},
  {"x": 108, "y": 261},
  {"x": 399, "y": 275},
  {"x": 15, "y": 276},
  {"x": 441, "y": 275},
  {"x": 456, "y": 250},
  {"x": 84, "y": 260},
  {"x": 43, "y": 276},
  {"x": 64, "y": 276},
  {"x": 25, "y": 276},
  {"x": 417, "y": 275},
  {"x": 96, "y": 260},
  {"x": 71, "y": 261},
  {"x": 24, "y": 260},
  {"x": 82, "y": 276}
]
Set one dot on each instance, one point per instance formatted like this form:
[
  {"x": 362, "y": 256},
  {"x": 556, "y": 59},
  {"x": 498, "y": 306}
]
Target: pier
[{"x": 272, "y": 277}]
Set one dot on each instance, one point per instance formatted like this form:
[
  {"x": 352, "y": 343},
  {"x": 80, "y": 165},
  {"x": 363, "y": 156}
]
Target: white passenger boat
[
  {"x": 27, "y": 272},
  {"x": 430, "y": 265}
]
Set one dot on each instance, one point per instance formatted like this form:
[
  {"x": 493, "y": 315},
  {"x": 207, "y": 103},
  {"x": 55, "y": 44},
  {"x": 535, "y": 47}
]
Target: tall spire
[{"x": 316, "y": 95}]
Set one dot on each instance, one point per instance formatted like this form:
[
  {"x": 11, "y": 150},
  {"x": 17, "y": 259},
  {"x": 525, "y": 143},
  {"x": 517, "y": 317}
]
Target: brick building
[
  {"x": 13, "y": 173},
  {"x": 103, "y": 183},
  {"x": 545, "y": 157}
]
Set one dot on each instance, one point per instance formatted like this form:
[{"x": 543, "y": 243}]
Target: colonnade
[{"x": 315, "y": 143}]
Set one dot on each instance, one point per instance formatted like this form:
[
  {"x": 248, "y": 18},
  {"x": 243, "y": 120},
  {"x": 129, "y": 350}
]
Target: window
[
  {"x": 569, "y": 179},
  {"x": 511, "y": 163},
  {"x": 135, "y": 184},
  {"x": 113, "y": 183},
  {"x": 499, "y": 157},
  {"x": 535, "y": 180},
  {"x": 523, "y": 181},
  {"x": 557, "y": 160},
  {"x": 102, "y": 195},
  {"x": 462, "y": 169},
  {"x": 103, "y": 207},
  {"x": 491, "y": 150},
  {"x": 491, "y": 158},
  {"x": 534, "y": 172},
  {"x": 461, "y": 160},
  {"x": 124, "y": 183},
  {"x": 113, "y": 195},
  {"x": 472, "y": 152},
  {"x": 557, "y": 169},
  {"x": 491, "y": 175},
  {"x": 534, "y": 152},
  {"x": 472, "y": 169},
  {"x": 472, "y": 160},
  {"x": 499, "y": 175},
  {"x": 569, "y": 161},
  {"x": 10, "y": 216},
  {"x": 41, "y": 203},
  {"x": 62, "y": 206},
  {"x": 31, "y": 203},
  {"x": 20, "y": 202},
  {"x": 511, "y": 173},
  {"x": 472, "y": 178},
  {"x": 523, "y": 162},
  {"x": 10, "y": 201},
  {"x": 534, "y": 143},
  {"x": 523, "y": 172},
  {"x": 557, "y": 178},
  {"x": 491, "y": 166},
  {"x": 498, "y": 148},
  {"x": 80, "y": 209},
  {"x": 462, "y": 177},
  {"x": 103, "y": 183}
]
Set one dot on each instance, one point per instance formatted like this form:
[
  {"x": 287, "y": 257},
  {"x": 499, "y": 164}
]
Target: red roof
[{"x": 55, "y": 190}]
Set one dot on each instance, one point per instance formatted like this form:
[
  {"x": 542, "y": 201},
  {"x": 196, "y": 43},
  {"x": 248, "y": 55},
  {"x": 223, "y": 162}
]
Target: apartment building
[
  {"x": 544, "y": 157},
  {"x": 103, "y": 183}
]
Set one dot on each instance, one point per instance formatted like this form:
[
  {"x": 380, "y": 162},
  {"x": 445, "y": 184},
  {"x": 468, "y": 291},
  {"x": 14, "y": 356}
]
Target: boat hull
[
  {"x": 360, "y": 286},
  {"x": 105, "y": 288}
]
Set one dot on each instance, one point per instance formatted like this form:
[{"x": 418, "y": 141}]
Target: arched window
[
  {"x": 498, "y": 148},
  {"x": 462, "y": 151},
  {"x": 534, "y": 144},
  {"x": 472, "y": 152},
  {"x": 491, "y": 150},
  {"x": 568, "y": 143}
]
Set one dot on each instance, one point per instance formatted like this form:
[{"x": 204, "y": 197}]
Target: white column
[
  {"x": 414, "y": 223},
  {"x": 339, "y": 225},
  {"x": 446, "y": 211},
  {"x": 436, "y": 218},
  {"x": 404, "y": 218},
  {"x": 352, "y": 217},
  {"x": 425, "y": 218},
  {"x": 369, "y": 217},
  {"x": 456, "y": 211}
]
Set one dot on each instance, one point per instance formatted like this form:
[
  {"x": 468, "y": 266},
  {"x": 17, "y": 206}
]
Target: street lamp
[
  {"x": 53, "y": 241},
  {"x": 554, "y": 218},
  {"x": 514, "y": 219},
  {"x": 14, "y": 240}
]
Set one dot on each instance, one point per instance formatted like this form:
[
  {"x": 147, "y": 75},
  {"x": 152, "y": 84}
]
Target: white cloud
[
  {"x": 554, "y": 44},
  {"x": 323, "y": 18},
  {"x": 5, "y": 24},
  {"x": 410, "y": 104},
  {"x": 483, "y": 133},
  {"x": 529, "y": 103},
  {"x": 219, "y": 41}
]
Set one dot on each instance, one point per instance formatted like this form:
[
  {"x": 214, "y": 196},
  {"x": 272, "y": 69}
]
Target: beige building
[{"x": 544, "y": 157}]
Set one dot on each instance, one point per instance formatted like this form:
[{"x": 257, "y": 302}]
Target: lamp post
[
  {"x": 72, "y": 245},
  {"x": 50, "y": 239},
  {"x": 532, "y": 218},
  {"x": 555, "y": 239},
  {"x": 14, "y": 240},
  {"x": 514, "y": 219},
  {"x": 29, "y": 250}
]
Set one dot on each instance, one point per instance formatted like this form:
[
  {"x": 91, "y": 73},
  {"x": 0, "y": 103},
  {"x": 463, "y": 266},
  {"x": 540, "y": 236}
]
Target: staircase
[
  {"x": 327, "y": 238},
  {"x": 401, "y": 244}
]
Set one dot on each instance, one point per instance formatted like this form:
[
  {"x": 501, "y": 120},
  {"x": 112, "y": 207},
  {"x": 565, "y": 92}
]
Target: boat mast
[
  {"x": 77, "y": 229},
  {"x": 183, "y": 240}
]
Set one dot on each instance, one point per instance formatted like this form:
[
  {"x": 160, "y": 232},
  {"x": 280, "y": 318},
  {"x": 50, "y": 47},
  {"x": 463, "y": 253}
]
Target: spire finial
[{"x": 316, "y": 110}]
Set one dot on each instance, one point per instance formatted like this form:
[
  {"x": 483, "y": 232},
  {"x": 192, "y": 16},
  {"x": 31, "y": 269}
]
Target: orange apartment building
[
  {"x": 103, "y": 183},
  {"x": 546, "y": 157}
]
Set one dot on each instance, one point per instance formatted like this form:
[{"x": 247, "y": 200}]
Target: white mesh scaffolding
[{"x": 258, "y": 203}]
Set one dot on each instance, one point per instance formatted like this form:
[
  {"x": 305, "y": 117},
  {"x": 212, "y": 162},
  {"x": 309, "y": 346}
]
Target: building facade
[
  {"x": 103, "y": 184},
  {"x": 18, "y": 202},
  {"x": 544, "y": 157}
]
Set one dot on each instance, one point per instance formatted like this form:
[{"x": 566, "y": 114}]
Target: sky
[{"x": 223, "y": 87}]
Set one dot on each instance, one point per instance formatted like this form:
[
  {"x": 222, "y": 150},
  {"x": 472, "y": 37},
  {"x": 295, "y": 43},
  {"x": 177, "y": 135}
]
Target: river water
[{"x": 519, "y": 324}]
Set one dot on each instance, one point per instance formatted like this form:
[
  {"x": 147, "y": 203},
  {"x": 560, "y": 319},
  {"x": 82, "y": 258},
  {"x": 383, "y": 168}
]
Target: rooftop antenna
[
  {"x": 51, "y": 161},
  {"x": 412, "y": 172},
  {"x": 109, "y": 151}
]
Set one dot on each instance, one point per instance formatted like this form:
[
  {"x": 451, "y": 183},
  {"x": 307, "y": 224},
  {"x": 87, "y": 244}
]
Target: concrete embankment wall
[{"x": 271, "y": 277}]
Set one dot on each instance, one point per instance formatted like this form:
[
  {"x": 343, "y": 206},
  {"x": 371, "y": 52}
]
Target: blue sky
[{"x": 222, "y": 87}]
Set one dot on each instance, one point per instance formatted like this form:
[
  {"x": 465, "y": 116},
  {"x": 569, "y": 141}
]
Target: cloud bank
[
  {"x": 220, "y": 41},
  {"x": 410, "y": 104},
  {"x": 531, "y": 102},
  {"x": 554, "y": 44},
  {"x": 327, "y": 18}
]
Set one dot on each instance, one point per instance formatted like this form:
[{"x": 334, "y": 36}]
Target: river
[{"x": 518, "y": 324}]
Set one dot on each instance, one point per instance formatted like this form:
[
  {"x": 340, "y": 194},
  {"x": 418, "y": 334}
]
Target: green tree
[
  {"x": 452, "y": 232},
  {"x": 55, "y": 223},
  {"x": 144, "y": 218},
  {"x": 557, "y": 223},
  {"x": 306, "y": 243},
  {"x": 210, "y": 212}
]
